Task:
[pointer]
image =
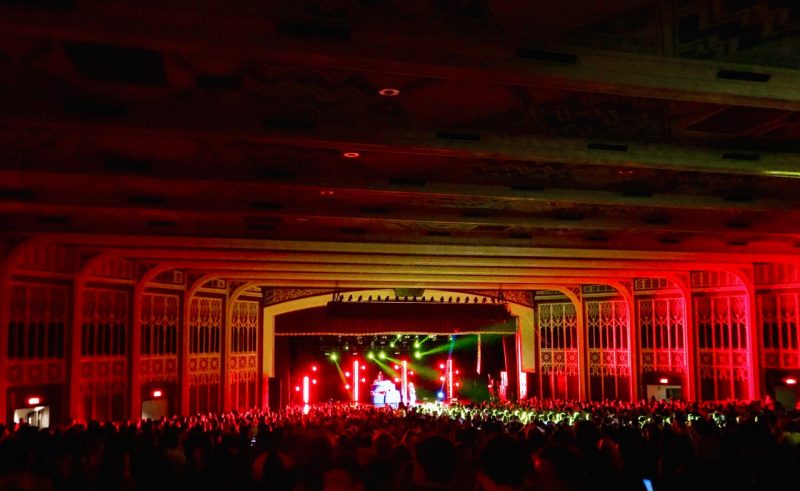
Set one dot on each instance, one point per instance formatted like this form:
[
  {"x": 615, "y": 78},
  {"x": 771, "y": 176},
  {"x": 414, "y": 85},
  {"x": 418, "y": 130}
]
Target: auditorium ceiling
[{"x": 508, "y": 144}]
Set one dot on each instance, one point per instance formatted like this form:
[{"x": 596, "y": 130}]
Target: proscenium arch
[{"x": 523, "y": 313}]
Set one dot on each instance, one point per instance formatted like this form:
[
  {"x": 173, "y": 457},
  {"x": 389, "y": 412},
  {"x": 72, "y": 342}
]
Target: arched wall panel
[
  {"x": 244, "y": 335},
  {"x": 103, "y": 368},
  {"x": 558, "y": 350},
  {"x": 206, "y": 318}
]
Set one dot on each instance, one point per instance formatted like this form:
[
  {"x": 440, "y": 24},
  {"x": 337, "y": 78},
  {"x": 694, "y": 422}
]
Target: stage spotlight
[
  {"x": 382, "y": 355},
  {"x": 313, "y": 368},
  {"x": 334, "y": 357},
  {"x": 346, "y": 374},
  {"x": 441, "y": 378},
  {"x": 371, "y": 355},
  {"x": 417, "y": 355},
  {"x": 441, "y": 365},
  {"x": 440, "y": 395},
  {"x": 347, "y": 386},
  {"x": 416, "y": 344},
  {"x": 397, "y": 367}
]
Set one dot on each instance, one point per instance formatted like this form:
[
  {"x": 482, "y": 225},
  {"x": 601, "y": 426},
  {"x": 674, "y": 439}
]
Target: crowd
[{"x": 530, "y": 445}]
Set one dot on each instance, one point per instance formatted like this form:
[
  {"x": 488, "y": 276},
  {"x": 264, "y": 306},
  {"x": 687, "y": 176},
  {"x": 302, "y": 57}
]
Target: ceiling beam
[
  {"x": 234, "y": 245},
  {"x": 348, "y": 136},
  {"x": 175, "y": 255},
  {"x": 290, "y": 269},
  {"x": 410, "y": 53},
  {"x": 361, "y": 187},
  {"x": 434, "y": 219}
]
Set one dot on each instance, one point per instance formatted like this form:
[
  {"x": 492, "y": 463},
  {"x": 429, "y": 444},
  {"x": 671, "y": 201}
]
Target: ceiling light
[
  {"x": 351, "y": 155},
  {"x": 389, "y": 92}
]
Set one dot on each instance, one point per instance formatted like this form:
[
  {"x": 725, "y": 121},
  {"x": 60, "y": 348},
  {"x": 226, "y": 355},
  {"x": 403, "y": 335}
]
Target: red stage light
[
  {"x": 33, "y": 401},
  {"x": 314, "y": 381},
  {"x": 458, "y": 385},
  {"x": 663, "y": 380},
  {"x": 347, "y": 386},
  {"x": 157, "y": 393},
  {"x": 389, "y": 92},
  {"x": 363, "y": 380},
  {"x": 397, "y": 367},
  {"x": 313, "y": 368},
  {"x": 411, "y": 372},
  {"x": 297, "y": 388},
  {"x": 363, "y": 367},
  {"x": 351, "y": 155},
  {"x": 790, "y": 381},
  {"x": 441, "y": 378},
  {"x": 441, "y": 365},
  {"x": 346, "y": 374},
  {"x": 456, "y": 372}
]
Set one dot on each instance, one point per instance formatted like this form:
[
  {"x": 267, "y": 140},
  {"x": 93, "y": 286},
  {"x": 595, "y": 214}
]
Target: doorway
[{"x": 37, "y": 416}]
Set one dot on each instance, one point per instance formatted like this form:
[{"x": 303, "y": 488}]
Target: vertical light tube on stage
[
  {"x": 449, "y": 375},
  {"x": 355, "y": 380},
  {"x": 404, "y": 382},
  {"x": 305, "y": 389},
  {"x": 478, "y": 363}
]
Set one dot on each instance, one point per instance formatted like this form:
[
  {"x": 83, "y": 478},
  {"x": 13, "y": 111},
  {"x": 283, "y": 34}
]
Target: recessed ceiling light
[
  {"x": 388, "y": 92},
  {"x": 326, "y": 192},
  {"x": 625, "y": 172},
  {"x": 351, "y": 155}
]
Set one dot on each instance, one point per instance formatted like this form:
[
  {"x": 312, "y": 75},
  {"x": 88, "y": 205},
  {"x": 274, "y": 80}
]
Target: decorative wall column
[
  {"x": 575, "y": 294},
  {"x": 135, "y": 365},
  {"x": 746, "y": 276},
  {"x": 192, "y": 285},
  {"x": 625, "y": 288},
  {"x": 683, "y": 282}
]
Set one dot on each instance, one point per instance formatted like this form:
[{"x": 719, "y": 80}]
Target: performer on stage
[{"x": 412, "y": 394}]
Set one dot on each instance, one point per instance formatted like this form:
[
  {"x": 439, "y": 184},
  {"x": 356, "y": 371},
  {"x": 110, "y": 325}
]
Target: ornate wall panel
[
  {"x": 206, "y": 315},
  {"x": 713, "y": 279},
  {"x": 722, "y": 342},
  {"x": 662, "y": 335},
  {"x": 171, "y": 277},
  {"x": 50, "y": 258},
  {"x": 39, "y": 316},
  {"x": 160, "y": 321},
  {"x": 779, "y": 318},
  {"x": 119, "y": 268},
  {"x": 595, "y": 289},
  {"x": 558, "y": 350},
  {"x": 244, "y": 352},
  {"x": 608, "y": 346},
  {"x": 776, "y": 273},
  {"x": 652, "y": 284},
  {"x": 103, "y": 368},
  {"x": 278, "y": 295}
]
